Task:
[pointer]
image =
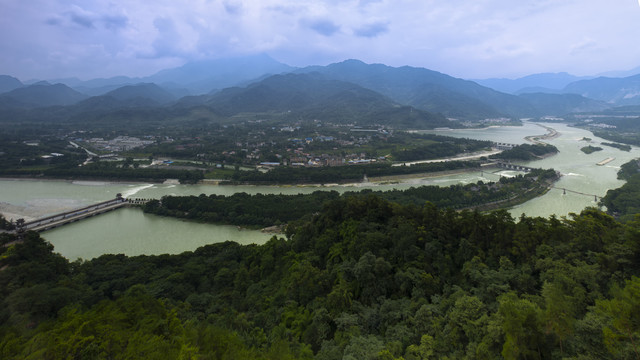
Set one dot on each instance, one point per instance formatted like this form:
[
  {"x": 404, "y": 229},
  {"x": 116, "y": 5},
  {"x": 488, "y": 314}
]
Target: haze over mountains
[{"x": 350, "y": 89}]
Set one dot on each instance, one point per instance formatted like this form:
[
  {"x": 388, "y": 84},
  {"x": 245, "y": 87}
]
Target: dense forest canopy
[
  {"x": 362, "y": 279},
  {"x": 624, "y": 202},
  {"x": 590, "y": 149}
]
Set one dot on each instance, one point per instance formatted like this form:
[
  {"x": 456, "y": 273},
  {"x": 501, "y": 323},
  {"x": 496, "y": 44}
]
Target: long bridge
[{"x": 53, "y": 221}]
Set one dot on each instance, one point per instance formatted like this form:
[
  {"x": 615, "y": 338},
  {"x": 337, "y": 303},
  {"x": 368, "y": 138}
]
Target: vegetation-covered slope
[
  {"x": 624, "y": 202},
  {"x": 527, "y": 152},
  {"x": 561, "y": 104},
  {"x": 276, "y": 209},
  {"x": 315, "y": 96},
  {"x": 363, "y": 279},
  {"x": 428, "y": 90},
  {"x": 43, "y": 94}
]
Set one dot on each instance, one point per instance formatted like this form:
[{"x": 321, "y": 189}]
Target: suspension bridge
[
  {"x": 595, "y": 197},
  {"x": 565, "y": 191}
]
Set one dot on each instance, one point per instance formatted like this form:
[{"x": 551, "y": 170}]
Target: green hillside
[
  {"x": 314, "y": 96},
  {"x": 428, "y": 90},
  {"x": 362, "y": 279}
]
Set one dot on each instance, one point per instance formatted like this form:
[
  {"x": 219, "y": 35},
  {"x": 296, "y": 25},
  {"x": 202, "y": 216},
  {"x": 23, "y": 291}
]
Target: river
[
  {"x": 132, "y": 232},
  {"x": 579, "y": 170}
]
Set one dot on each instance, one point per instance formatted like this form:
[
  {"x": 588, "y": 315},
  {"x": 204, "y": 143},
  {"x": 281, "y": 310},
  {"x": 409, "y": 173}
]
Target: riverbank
[
  {"x": 414, "y": 169},
  {"x": 32, "y": 210},
  {"x": 430, "y": 175},
  {"x": 105, "y": 173},
  {"x": 12, "y": 213},
  {"x": 343, "y": 175},
  {"x": 93, "y": 181},
  {"x": 465, "y": 128},
  {"x": 517, "y": 199},
  {"x": 474, "y": 156}
]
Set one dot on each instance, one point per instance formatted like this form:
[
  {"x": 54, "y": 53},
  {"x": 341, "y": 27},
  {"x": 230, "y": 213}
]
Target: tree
[
  {"x": 560, "y": 311},
  {"x": 363, "y": 348},
  {"x": 623, "y": 311},
  {"x": 520, "y": 324},
  {"x": 424, "y": 351}
]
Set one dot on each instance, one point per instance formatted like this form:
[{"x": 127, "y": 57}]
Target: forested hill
[
  {"x": 320, "y": 97},
  {"x": 363, "y": 279},
  {"x": 624, "y": 202}
]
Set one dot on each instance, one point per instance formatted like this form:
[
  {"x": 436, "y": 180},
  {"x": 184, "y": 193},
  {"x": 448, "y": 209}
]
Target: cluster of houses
[
  {"x": 306, "y": 160},
  {"x": 118, "y": 144}
]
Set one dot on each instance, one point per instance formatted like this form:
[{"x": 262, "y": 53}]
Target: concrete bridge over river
[
  {"x": 56, "y": 220},
  {"x": 510, "y": 166}
]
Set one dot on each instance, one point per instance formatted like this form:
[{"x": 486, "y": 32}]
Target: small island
[
  {"x": 623, "y": 147},
  {"x": 527, "y": 152},
  {"x": 590, "y": 149}
]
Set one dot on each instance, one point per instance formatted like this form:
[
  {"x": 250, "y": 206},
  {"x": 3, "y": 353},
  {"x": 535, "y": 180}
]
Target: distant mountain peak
[
  {"x": 426, "y": 89},
  {"x": 617, "y": 91},
  {"x": 551, "y": 81},
  {"x": 317, "y": 96},
  {"x": 148, "y": 91},
  {"x": 8, "y": 83},
  {"x": 44, "y": 94},
  {"x": 203, "y": 76},
  {"x": 625, "y": 73}
]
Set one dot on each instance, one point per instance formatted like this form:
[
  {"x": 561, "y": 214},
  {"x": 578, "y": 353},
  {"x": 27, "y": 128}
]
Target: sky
[{"x": 472, "y": 39}]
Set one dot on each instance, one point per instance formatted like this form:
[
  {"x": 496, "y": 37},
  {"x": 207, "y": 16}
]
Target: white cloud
[
  {"x": 468, "y": 38},
  {"x": 233, "y": 7},
  {"x": 372, "y": 29},
  {"x": 324, "y": 27}
]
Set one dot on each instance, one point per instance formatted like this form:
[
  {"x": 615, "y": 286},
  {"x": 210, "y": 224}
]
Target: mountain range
[
  {"x": 546, "y": 82},
  {"x": 316, "y": 96},
  {"x": 615, "y": 91},
  {"x": 350, "y": 89}
]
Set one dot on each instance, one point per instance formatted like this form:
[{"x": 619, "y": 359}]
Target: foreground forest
[{"x": 362, "y": 279}]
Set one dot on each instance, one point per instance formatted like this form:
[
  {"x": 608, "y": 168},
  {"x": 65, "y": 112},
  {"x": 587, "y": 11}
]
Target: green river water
[{"x": 131, "y": 232}]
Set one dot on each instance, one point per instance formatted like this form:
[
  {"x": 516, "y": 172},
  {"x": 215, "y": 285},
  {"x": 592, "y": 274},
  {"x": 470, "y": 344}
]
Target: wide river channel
[{"x": 131, "y": 232}]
